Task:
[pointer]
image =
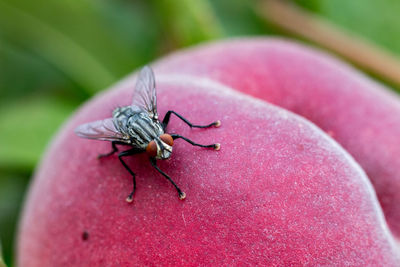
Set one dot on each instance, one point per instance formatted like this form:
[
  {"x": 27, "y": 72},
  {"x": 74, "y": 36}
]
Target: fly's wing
[
  {"x": 101, "y": 130},
  {"x": 144, "y": 96}
]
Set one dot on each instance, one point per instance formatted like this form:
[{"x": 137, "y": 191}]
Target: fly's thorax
[
  {"x": 120, "y": 112},
  {"x": 121, "y": 116},
  {"x": 140, "y": 128},
  {"x": 143, "y": 128}
]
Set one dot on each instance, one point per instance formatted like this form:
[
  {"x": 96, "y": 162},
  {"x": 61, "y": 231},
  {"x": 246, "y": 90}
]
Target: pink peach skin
[
  {"x": 363, "y": 116},
  {"x": 279, "y": 192}
]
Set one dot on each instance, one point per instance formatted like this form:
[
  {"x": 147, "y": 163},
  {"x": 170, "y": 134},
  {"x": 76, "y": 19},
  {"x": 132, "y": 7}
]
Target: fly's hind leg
[
  {"x": 181, "y": 194},
  {"x": 215, "y": 146},
  {"x": 125, "y": 154},
  {"x": 168, "y": 115}
]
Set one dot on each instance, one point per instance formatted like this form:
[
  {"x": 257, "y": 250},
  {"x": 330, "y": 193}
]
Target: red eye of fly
[
  {"x": 151, "y": 149},
  {"x": 166, "y": 138}
]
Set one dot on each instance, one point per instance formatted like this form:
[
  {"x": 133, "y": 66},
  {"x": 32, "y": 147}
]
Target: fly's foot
[
  {"x": 129, "y": 199},
  {"x": 182, "y": 195},
  {"x": 217, "y": 146},
  {"x": 217, "y": 123}
]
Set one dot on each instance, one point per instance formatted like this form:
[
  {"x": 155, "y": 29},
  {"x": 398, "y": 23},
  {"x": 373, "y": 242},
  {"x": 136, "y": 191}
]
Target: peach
[
  {"x": 360, "y": 114},
  {"x": 278, "y": 192}
]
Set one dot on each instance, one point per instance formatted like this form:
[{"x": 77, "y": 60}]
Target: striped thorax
[{"x": 140, "y": 129}]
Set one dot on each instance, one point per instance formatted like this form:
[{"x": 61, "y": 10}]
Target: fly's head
[{"x": 161, "y": 147}]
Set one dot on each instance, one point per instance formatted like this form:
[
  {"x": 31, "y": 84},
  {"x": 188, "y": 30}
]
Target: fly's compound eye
[
  {"x": 166, "y": 138},
  {"x": 151, "y": 149}
]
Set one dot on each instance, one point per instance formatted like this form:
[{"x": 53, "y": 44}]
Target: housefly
[{"x": 138, "y": 126}]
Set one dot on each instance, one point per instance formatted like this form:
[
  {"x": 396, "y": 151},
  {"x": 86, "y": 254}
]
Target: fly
[{"x": 138, "y": 126}]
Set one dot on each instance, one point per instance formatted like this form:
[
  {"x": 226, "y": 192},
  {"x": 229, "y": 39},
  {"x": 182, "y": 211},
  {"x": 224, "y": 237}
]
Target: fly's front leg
[
  {"x": 181, "y": 194},
  {"x": 176, "y": 136},
  {"x": 114, "y": 149},
  {"x": 124, "y": 154},
  {"x": 168, "y": 115}
]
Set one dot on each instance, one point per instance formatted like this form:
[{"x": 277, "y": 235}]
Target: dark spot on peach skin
[{"x": 85, "y": 235}]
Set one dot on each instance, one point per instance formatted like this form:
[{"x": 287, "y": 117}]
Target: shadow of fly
[{"x": 138, "y": 126}]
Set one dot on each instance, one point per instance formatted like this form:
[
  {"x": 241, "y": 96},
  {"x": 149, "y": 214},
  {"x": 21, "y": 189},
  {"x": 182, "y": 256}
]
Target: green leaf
[
  {"x": 2, "y": 264},
  {"x": 93, "y": 43},
  {"x": 25, "y": 129},
  {"x": 188, "y": 22},
  {"x": 12, "y": 188},
  {"x": 238, "y": 17},
  {"x": 37, "y": 75},
  {"x": 56, "y": 46}
]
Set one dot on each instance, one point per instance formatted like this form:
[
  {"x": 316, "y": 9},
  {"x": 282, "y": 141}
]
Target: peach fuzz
[
  {"x": 360, "y": 114},
  {"x": 279, "y": 192}
]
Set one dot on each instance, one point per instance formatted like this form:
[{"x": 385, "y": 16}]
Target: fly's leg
[
  {"x": 181, "y": 194},
  {"x": 176, "y": 136},
  {"x": 168, "y": 115},
  {"x": 124, "y": 154}
]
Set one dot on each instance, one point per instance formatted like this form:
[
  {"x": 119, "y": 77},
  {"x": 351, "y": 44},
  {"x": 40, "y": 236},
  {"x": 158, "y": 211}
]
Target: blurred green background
[{"x": 54, "y": 55}]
